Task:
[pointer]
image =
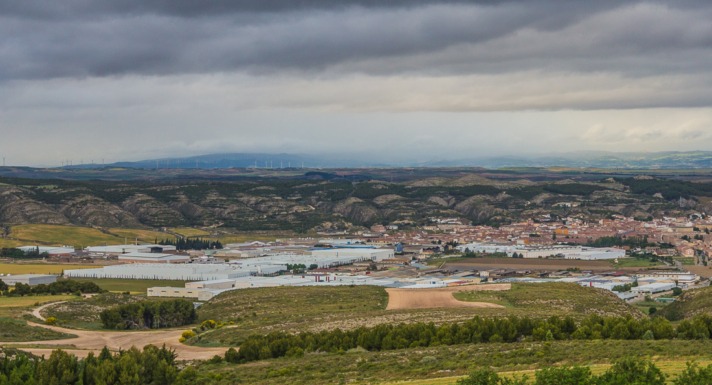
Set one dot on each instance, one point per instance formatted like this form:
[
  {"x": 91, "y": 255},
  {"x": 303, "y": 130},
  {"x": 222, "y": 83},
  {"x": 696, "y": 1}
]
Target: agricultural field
[
  {"x": 293, "y": 309},
  {"x": 530, "y": 264},
  {"x": 635, "y": 262},
  {"x": 62, "y": 235},
  {"x": 143, "y": 236},
  {"x": 444, "y": 364},
  {"x": 135, "y": 286},
  {"x": 6, "y": 243},
  {"x": 40, "y": 268},
  {"x": 189, "y": 232}
]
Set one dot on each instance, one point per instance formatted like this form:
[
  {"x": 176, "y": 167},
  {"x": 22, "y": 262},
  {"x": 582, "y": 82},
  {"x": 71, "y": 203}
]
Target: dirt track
[
  {"x": 93, "y": 341},
  {"x": 438, "y": 298}
]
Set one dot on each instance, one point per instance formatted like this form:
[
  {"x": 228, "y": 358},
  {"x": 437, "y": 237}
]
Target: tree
[
  {"x": 489, "y": 377},
  {"x": 632, "y": 371},
  {"x": 694, "y": 375},
  {"x": 577, "y": 375}
]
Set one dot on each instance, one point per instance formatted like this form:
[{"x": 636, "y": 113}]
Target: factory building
[
  {"x": 138, "y": 257},
  {"x": 29, "y": 279},
  {"x": 50, "y": 250},
  {"x": 124, "y": 249},
  {"x": 357, "y": 254}
]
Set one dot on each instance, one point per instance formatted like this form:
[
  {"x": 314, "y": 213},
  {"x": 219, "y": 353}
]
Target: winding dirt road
[{"x": 93, "y": 341}]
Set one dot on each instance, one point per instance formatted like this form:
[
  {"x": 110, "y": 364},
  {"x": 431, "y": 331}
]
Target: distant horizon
[{"x": 283, "y": 160}]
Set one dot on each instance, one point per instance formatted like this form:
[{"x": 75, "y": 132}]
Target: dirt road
[
  {"x": 438, "y": 298},
  {"x": 93, "y": 341}
]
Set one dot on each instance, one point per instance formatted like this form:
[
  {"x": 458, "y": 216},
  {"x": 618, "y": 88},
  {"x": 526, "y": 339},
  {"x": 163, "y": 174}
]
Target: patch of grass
[
  {"x": 547, "y": 299},
  {"x": 288, "y": 308},
  {"x": 443, "y": 364},
  {"x": 189, "y": 232},
  {"x": 15, "y": 302},
  {"x": 636, "y": 262},
  {"x": 5, "y": 243},
  {"x": 63, "y": 235},
  {"x": 687, "y": 261},
  {"x": 39, "y": 268},
  {"x": 131, "y": 285},
  {"x": 13, "y": 330},
  {"x": 145, "y": 236},
  {"x": 84, "y": 314}
]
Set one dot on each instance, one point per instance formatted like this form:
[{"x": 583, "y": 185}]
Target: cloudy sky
[{"x": 88, "y": 80}]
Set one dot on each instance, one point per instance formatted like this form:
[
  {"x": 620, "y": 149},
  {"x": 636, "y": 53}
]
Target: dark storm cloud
[{"x": 85, "y": 38}]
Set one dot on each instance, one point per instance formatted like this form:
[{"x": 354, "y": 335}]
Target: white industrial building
[
  {"x": 653, "y": 288},
  {"x": 50, "y": 250},
  {"x": 356, "y": 254},
  {"x": 206, "y": 290},
  {"x": 558, "y": 251},
  {"x": 137, "y": 257},
  {"x": 124, "y": 249},
  {"x": 29, "y": 279}
]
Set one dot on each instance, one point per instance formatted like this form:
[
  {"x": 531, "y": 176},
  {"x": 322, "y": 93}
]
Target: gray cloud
[{"x": 106, "y": 38}]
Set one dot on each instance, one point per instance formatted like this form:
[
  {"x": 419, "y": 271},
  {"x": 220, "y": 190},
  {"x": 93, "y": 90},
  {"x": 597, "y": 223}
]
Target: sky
[{"x": 399, "y": 80}]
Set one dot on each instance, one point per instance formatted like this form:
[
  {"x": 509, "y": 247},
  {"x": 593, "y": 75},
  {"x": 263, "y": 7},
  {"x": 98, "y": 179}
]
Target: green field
[
  {"x": 448, "y": 362},
  {"x": 635, "y": 262},
  {"x": 62, "y": 235},
  {"x": 547, "y": 299},
  {"x": 131, "y": 285},
  {"x": 4, "y": 242},
  {"x": 13, "y": 330},
  {"x": 40, "y": 268},
  {"x": 81, "y": 237},
  {"x": 296, "y": 309},
  {"x": 189, "y": 232},
  {"x": 143, "y": 236},
  {"x": 688, "y": 261}
]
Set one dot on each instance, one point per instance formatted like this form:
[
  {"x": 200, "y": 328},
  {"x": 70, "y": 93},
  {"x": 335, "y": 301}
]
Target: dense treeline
[
  {"x": 64, "y": 286},
  {"x": 149, "y": 315},
  {"x": 155, "y": 366},
  {"x": 14, "y": 253},
  {"x": 670, "y": 189},
  {"x": 192, "y": 244},
  {"x": 476, "y": 330},
  {"x": 626, "y": 371}
]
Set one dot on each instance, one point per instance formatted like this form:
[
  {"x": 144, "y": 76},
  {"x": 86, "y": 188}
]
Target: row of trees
[
  {"x": 476, "y": 330},
  {"x": 623, "y": 372},
  {"x": 149, "y": 315},
  {"x": 14, "y": 253},
  {"x": 63, "y": 286},
  {"x": 192, "y": 244},
  {"x": 155, "y": 366}
]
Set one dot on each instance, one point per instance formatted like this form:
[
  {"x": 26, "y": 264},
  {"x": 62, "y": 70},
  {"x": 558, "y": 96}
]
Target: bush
[{"x": 51, "y": 321}]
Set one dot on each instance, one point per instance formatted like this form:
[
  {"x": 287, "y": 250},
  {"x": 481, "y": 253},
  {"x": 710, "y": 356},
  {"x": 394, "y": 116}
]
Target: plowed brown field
[{"x": 438, "y": 298}]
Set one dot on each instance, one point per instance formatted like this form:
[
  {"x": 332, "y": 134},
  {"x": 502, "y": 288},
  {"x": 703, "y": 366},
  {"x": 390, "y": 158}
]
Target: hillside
[
  {"x": 338, "y": 200},
  {"x": 294, "y": 309},
  {"x": 689, "y": 304}
]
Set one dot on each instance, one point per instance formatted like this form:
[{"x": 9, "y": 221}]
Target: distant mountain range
[{"x": 627, "y": 160}]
